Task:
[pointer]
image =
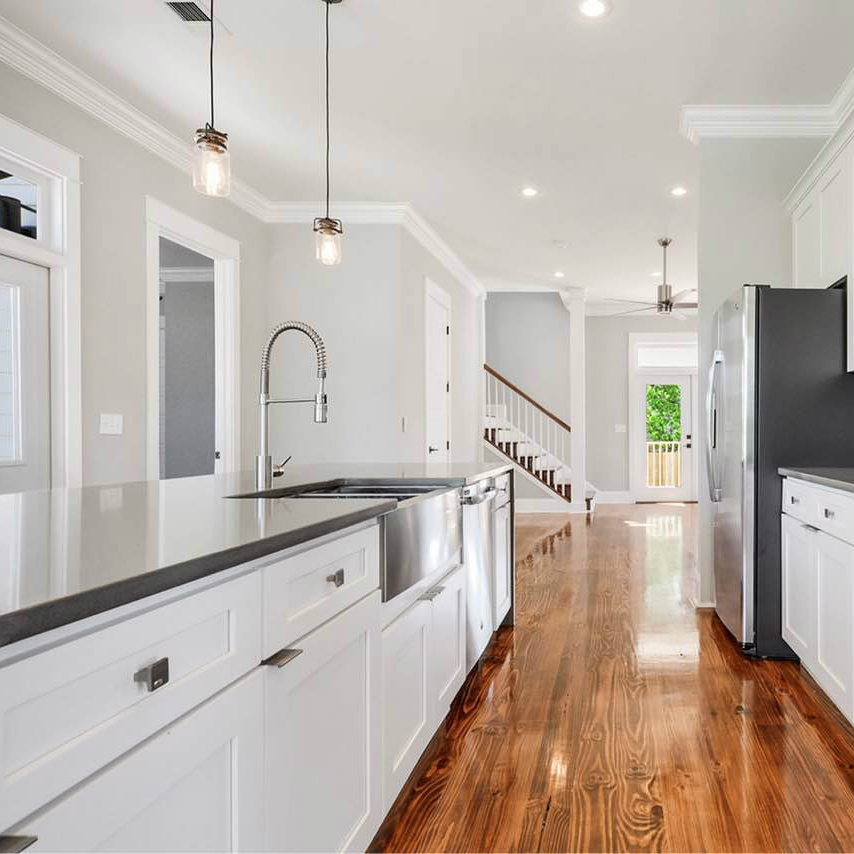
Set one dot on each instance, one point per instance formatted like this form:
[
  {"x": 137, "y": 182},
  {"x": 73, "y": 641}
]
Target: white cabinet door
[
  {"x": 833, "y": 667},
  {"x": 807, "y": 244},
  {"x": 407, "y": 701},
  {"x": 323, "y": 785},
  {"x": 195, "y": 786},
  {"x": 835, "y": 201},
  {"x": 800, "y": 610},
  {"x": 502, "y": 585},
  {"x": 448, "y": 648}
]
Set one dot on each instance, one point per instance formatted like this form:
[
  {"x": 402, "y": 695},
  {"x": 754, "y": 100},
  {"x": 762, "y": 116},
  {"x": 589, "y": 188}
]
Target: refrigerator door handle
[{"x": 712, "y": 427}]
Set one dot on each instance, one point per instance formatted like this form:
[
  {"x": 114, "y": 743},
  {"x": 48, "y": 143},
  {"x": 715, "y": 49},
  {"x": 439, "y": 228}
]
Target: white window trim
[
  {"x": 58, "y": 249},
  {"x": 164, "y": 221}
]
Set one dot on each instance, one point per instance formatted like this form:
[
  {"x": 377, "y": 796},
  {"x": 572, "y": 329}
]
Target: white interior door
[
  {"x": 24, "y": 377},
  {"x": 437, "y": 319},
  {"x": 663, "y": 460}
]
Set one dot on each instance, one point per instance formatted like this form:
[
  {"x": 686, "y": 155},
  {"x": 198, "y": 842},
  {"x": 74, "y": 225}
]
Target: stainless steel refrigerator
[{"x": 778, "y": 395}]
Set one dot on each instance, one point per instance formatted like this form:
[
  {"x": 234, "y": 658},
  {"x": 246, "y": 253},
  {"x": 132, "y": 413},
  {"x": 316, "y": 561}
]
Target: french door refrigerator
[{"x": 778, "y": 395}]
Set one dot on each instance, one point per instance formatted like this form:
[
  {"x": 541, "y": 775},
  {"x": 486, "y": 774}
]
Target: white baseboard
[
  {"x": 700, "y": 604},
  {"x": 548, "y": 505},
  {"x": 614, "y": 497}
]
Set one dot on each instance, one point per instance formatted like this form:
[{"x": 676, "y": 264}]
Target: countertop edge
[
  {"x": 38, "y": 619},
  {"x": 818, "y": 479}
]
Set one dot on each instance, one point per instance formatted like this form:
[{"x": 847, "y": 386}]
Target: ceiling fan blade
[
  {"x": 633, "y": 311},
  {"x": 627, "y": 301},
  {"x": 684, "y": 305},
  {"x": 676, "y": 297}
]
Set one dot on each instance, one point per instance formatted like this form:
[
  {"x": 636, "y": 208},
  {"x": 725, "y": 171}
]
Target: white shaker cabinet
[
  {"x": 799, "y": 591},
  {"x": 323, "y": 788},
  {"x": 195, "y": 786},
  {"x": 448, "y": 649}
]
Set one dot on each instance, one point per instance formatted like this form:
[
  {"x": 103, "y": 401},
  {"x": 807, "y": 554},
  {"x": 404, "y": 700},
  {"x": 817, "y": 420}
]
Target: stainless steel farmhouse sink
[{"x": 419, "y": 536}]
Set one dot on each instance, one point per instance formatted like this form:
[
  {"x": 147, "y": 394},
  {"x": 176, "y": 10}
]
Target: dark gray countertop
[
  {"x": 838, "y": 478},
  {"x": 67, "y": 554}
]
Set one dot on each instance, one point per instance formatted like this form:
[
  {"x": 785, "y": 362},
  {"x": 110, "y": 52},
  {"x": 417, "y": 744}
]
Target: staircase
[{"x": 524, "y": 431}]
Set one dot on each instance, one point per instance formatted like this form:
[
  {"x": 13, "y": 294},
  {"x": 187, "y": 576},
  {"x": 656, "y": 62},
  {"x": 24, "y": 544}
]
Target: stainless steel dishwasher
[{"x": 478, "y": 554}]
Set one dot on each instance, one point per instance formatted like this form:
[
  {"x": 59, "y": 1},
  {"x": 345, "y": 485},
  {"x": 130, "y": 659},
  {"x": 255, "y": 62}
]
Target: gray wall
[
  {"x": 608, "y": 393},
  {"x": 189, "y": 387},
  {"x": 527, "y": 341},
  {"x": 370, "y": 312},
  {"x": 116, "y": 176},
  {"x": 745, "y": 236}
]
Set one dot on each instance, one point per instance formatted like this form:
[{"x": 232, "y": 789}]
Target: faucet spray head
[{"x": 320, "y": 407}]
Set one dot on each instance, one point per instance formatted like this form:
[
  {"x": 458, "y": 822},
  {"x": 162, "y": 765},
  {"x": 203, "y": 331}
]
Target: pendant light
[
  {"x": 328, "y": 231},
  {"x": 211, "y": 160}
]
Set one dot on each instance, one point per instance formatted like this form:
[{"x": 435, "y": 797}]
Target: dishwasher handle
[{"x": 486, "y": 495}]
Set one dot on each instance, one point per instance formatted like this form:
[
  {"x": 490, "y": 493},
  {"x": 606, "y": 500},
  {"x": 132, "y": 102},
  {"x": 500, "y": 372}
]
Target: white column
[{"x": 574, "y": 302}]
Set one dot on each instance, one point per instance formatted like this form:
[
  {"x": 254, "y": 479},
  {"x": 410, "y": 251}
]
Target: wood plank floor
[{"x": 614, "y": 717}]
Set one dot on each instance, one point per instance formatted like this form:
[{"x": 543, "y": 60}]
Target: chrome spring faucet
[{"x": 265, "y": 470}]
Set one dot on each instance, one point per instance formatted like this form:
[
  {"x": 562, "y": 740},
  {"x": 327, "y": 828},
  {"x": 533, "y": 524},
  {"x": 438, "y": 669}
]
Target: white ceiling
[{"x": 455, "y": 106}]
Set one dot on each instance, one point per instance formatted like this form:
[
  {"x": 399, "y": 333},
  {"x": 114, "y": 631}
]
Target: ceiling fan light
[
  {"x": 328, "y": 240},
  {"x": 211, "y": 163}
]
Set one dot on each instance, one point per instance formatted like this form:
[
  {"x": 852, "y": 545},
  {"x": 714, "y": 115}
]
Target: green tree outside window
[{"x": 663, "y": 413}]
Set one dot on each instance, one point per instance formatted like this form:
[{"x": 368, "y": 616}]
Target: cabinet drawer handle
[
  {"x": 337, "y": 578},
  {"x": 281, "y": 658},
  {"x": 810, "y": 528},
  {"x": 14, "y": 844},
  {"x": 154, "y": 676},
  {"x": 430, "y": 595},
  {"x": 829, "y": 514},
  {"x": 794, "y": 500}
]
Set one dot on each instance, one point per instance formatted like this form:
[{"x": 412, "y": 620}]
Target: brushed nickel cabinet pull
[
  {"x": 337, "y": 578},
  {"x": 154, "y": 676},
  {"x": 829, "y": 514},
  {"x": 281, "y": 658},
  {"x": 430, "y": 595},
  {"x": 14, "y": 844},
  {"x": 795, "y": 500}
]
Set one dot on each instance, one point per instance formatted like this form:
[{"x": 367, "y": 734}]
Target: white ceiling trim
[
  {"x": 697, "y": 121},
  {"x": 30, "y": 57},
  {"x": 381, "y": 213}
]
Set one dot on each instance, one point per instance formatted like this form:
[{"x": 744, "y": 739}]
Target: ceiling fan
[{"x": 666, "y": 301}]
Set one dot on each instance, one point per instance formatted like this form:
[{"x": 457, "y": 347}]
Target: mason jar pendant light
[
  {"x": 211, "y": 160},
  {"x": 328, "y": 231}
]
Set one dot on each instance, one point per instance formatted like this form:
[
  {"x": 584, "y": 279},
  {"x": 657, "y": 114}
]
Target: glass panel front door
[{"x": 664, "y": 435}]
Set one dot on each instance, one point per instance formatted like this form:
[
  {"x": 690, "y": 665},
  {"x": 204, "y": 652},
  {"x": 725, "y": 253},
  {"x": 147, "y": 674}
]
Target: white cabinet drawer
[
  {"x": 195, "y": 786},
  {"x": 800, "y": 500},
  {"x": 307, "y": 589},
  {"x": 68, "y": 711},
  {"x": 835, "y": 514}
]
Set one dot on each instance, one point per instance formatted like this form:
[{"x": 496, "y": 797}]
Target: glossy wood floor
[{"x": 613, "y": 717}]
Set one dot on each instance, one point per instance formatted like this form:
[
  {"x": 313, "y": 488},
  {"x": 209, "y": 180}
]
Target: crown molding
[
  {"x": 38, "y": 62},
  {"x": 698, "y": 122},
  {"x": 709, "y": 121}
]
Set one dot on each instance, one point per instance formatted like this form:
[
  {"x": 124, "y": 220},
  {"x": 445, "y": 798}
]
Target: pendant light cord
[
  {"x": 213, "y": 124},
  {"x": 327, "y": 108}
]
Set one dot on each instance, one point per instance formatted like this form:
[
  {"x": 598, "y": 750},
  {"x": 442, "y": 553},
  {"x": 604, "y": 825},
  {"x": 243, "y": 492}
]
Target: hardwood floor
[{"x": 614, "y": 717}]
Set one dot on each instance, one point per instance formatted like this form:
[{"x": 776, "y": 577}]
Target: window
[
  {"x": 19, "y": 200},
  {"x": 9, "y": 405},
  {"x": 654, "y": 354}
]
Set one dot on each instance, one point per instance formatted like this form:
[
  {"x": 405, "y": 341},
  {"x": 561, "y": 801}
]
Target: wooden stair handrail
[{"x": 527, "y": 397}]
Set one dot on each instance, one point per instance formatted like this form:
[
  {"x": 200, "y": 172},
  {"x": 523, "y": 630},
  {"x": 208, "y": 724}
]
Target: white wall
[
  {"x": 745, "y": 237},
  {"x": 370, "y": 313},
  {"x": 608, "y": 393},
  {"x": 116, "y": 176}
]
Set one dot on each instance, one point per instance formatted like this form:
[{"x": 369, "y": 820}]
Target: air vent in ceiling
[{"x": 191, "y": 13}]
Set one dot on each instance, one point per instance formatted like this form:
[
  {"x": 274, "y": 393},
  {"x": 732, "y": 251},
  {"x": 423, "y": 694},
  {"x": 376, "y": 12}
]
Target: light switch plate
[
  {"x": 112, "y": 424},
  {"x": 619, "y": 428}
]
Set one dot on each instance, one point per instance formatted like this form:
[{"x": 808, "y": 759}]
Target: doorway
[
  {"x": 662, "y": 417},
  {"x": 437, "y": 336},
  {"x": 25, "y": 449},
  {"x": 193, "y": 335}
]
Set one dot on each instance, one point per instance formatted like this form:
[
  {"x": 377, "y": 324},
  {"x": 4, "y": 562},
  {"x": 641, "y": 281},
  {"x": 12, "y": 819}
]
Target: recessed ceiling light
[
  {"x": 559, "y": 274},
  {"x": 530, "y": 192},
  {"x": 679, "y": 192},
  {"x": 594, "y": 8}
]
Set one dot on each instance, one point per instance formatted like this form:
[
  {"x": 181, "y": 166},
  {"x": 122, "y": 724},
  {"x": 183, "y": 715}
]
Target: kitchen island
[{"x": 182, "y": 667}]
